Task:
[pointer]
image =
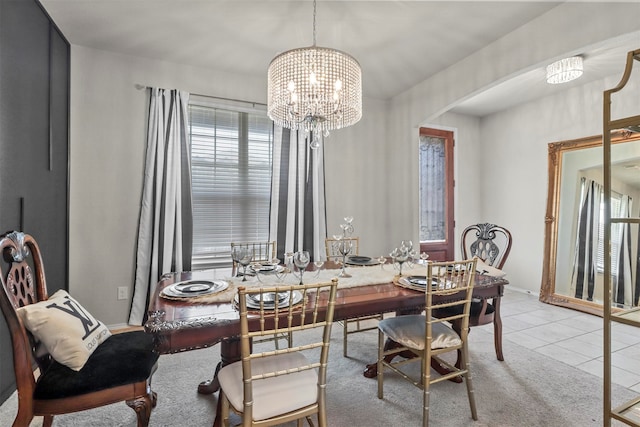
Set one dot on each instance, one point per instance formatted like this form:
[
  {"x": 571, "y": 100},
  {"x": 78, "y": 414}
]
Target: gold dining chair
[
  {"x": 358, "y": 324},
  {"x": 448, "y": 284},
  {"x": 274, "y": 387},
  {"x": 262, "y": 252}
]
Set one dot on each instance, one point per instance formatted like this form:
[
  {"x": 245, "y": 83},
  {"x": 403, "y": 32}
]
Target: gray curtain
[
  {"x": 165, "y": 230},
  {"x": 586, "y": 250},
  {"x": 298, "y": 215},
  {"x": 622, "y": 283}
]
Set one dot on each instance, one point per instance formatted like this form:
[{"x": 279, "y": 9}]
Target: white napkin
[{"x": 487, "y": 270}]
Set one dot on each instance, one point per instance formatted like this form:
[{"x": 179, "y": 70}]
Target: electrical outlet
[{"x": 123, "y": 292}]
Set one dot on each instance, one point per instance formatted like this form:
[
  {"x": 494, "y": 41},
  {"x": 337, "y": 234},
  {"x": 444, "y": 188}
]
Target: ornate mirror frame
[{"x": 556, "y": 150}]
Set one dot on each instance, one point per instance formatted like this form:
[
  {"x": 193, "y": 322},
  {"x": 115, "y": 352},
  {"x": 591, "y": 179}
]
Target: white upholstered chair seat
[
  {"x": 275, "y": 395},
  {"x": 409, "y": 331}
]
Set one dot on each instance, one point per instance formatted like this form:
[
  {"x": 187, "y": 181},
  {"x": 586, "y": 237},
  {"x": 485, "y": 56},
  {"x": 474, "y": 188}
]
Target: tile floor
[{"x": 571, "y": 337}]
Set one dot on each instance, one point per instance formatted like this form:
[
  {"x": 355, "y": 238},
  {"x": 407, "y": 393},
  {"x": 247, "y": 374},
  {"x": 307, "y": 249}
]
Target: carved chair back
[{"x": 489, "y": 242}]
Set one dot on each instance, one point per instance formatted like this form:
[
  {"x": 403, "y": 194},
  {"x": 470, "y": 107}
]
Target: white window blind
[
  {"x": 616, "y": 234},
  {"x": 231, "y": 154}
]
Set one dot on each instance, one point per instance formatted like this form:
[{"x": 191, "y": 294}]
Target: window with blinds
[
  {"x": 616, "y": 234},
  {"x": 231, "y": 154}
]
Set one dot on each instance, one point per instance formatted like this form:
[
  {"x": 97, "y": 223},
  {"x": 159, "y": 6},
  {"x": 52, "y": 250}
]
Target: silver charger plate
[
  {"x": 266, "y": 268},
  {"x": 193, "y": 288},
  {"x": 254, "y": 302},
  {"x": 361, "y": 260},
  {"x": 419, "y": 281}
]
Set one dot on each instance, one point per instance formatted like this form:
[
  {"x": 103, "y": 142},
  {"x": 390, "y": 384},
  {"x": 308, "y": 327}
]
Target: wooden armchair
[
  {"x": 118, "y": 369},
  {"x": 491, "y": 243}
]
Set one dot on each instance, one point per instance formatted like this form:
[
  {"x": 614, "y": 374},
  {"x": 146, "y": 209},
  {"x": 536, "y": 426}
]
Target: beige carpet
[{"x": 527, "y": 389}]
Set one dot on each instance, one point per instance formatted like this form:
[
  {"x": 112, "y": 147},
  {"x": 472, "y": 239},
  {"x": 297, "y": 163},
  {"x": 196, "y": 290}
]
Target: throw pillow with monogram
[{"x": 68, "y": 332}]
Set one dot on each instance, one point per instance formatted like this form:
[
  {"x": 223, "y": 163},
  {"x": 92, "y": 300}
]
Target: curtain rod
[{"x": 142, "y": 87}]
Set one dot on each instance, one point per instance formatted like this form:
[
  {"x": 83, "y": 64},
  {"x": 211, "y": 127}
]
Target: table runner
[{"x": 361, "y": 276}]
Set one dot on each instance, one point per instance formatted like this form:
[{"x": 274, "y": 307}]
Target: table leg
[
  {"x": 229, "y": 353},
  {"x": 212, "y": 385},
  {"x": 497, "y": 328}
]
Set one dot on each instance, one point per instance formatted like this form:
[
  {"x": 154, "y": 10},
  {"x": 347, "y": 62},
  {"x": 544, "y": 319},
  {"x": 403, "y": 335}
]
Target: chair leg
[
  {"x": 47, "y": 421},
  {"x": 497, "y": 329},
  {"x": 380, "y": 368},
  {"x": 143, "y": 405},
  {"x": 469, "y": 383},
  {"x": 345, "y": 332},
  {"x": 426, "y": 387},
  {"x": 224, "y": 409},
  {"x": 25, "y": 416}
]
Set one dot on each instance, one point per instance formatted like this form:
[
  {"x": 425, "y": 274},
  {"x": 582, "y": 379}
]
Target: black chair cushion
[
  {"x": 124, "y": 358},
  {"x": 476, "y": 308}
]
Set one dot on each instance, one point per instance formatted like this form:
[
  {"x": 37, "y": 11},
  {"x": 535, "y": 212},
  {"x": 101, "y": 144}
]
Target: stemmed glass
[
  {"x": 244, "y": 262},
  {"x": 237, "y": 252},
  {"x": 400, "y": 255},
  {"x": 344, "y": 249},
  {"x": 301, "y": 261},
  {"x": 280, "y": 272},
  {"x": 318, "y": 265},
  {"x": 423, "y": 257},
  {"x": 242, "y": 256},
  {"x": 382, "y": 259}
]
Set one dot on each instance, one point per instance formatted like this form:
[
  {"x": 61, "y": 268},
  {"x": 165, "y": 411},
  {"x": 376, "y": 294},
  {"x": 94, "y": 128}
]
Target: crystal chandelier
[
  {"x": 565, "y": 70},
  {"x": 315, "y": 89}
]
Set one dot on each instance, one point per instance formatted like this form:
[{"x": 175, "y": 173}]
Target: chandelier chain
[{"x": 314, "y": 22}]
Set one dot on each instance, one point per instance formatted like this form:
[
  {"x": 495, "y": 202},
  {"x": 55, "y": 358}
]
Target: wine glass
[
  {"x": 319, "y": 264},
  {"x": 400, "y": 255},
  {"x": 382, "y": 259},
  {"x": 344, "y": 249},
  {"x": 301, "y": 261},
  {"x": 244, "y": 262},
  {"x": 281, "y": 272},
  {"x": 237, "y": 253},
  {"x": 423, "y": 257}
]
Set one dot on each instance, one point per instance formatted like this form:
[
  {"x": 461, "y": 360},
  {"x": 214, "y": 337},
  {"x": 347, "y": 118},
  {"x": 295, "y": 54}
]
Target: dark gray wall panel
[{"x": 34, "y": 144}]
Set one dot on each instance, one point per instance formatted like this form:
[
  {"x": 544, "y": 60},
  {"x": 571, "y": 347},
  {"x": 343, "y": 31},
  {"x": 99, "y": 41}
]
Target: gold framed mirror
[{"x": 571, "y": 164}]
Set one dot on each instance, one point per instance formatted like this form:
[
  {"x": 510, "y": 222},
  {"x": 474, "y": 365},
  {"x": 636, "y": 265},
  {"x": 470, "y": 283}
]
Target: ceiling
[{"x": 398, "y": 43}]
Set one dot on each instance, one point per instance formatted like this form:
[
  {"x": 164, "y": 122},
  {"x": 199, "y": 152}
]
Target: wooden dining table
[{"x": 179, "y": 325}]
